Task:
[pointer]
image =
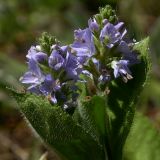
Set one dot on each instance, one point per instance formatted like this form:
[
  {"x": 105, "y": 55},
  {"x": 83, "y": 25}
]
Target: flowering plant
[{"x": 80, "y": 98}]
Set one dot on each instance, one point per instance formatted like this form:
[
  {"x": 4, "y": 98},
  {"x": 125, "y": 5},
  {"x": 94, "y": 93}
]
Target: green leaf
[
  {"x": 143, "y": 142},
  {"x": 122, "y": 100},
  {"x": 92, "y": 116},
  {"x": 59, "y": 129}
]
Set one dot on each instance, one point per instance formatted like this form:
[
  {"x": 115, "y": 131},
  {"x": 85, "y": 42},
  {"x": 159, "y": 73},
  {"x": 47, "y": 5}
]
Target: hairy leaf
[
  {"x": 92, "y": 114},
  {"x": 122, "y": 100},
  {"x": 143, "y": 142},
  {"x": 58, "y": 129}
]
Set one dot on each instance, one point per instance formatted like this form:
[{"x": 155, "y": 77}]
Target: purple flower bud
[
  {"x": 93, "y": 25},
  {"x": 105, "y": 21}
]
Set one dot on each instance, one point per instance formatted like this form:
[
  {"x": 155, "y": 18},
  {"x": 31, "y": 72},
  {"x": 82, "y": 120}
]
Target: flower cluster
[
  {"x": 103, "y": 50},
  {"x": 53, "y": 76},
  {"x": 99, "y": 52}
]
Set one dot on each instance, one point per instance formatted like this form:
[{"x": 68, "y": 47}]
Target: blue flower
[
  {"x": 56, "y": 61},
  {"x": 50, "y": 87},
  {"x": 37, "y": 55},
  {"x": 72, "y": 66},
  {"x": 84, "y": 44},
  {"x": 127, "y": 53},
  {"x": 61, "y": 59},
  {"x": 110, "y": 34},
  {"x": 93, "y": 25},
  {"x": 121, "y": 69},
  {"x": 34, "y": 76},
  {"x": 40, "y": 83}
]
